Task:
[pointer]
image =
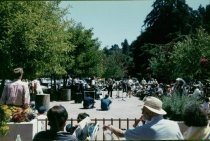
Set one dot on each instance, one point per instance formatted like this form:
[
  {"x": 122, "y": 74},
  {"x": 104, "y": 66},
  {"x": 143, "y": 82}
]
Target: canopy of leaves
[
  {"x": 88, "y": 59},
  {"x": 168, "y": 20},
  {"x": 32, "y": 37},
  {"x": 185, "y": 58}
]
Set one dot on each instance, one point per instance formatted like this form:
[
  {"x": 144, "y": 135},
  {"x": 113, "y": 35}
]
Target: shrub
[{"x": 174, "y": 105}]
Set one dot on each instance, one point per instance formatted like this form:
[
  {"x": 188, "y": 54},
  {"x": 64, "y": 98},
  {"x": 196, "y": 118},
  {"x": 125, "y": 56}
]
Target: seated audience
[
  {"x": 195, "y": 117},
  {"x": 82, "y": 128},
  {"x": 105, "y": 103},
  {"x": 71, "y": 128},
  {"x": 57, "y": 116}
]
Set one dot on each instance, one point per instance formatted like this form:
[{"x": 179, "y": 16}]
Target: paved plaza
[{"x": 122, "y": 107}]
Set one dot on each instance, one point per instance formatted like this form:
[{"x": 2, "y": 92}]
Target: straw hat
[{"x": 154, "y": 105}]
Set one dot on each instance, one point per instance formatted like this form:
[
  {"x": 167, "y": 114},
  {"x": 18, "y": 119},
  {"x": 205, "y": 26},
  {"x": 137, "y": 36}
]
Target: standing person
[
  {"x": 178, "y": 88},
  {"x": 196, "y": 118},
  {"x": 93, "y": 83},
  {"x": 197, "y": 93},
  {"x": 155, "y": 127},
  {"x": 143, "y": 82},
  {"x": 124, "y": 85},
  {"x": 57, "y": 117},
  {"x": 110, "y": 87},
  {"x": 36, "y": 87},
  {"x": 129, "y": 85},
  {"x": 105, "y": 103},
  {"x": 205, "y": 105},
  {"x": 16, "y": 93}
]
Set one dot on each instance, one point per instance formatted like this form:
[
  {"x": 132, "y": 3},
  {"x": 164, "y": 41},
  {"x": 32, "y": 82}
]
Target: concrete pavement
[{"x": 122, "y": 107}]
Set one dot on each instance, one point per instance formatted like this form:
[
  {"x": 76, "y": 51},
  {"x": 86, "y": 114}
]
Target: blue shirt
[
  {"x": 105, "y": 102},
  {"x": 88, "y": 102},
  {"x": 156, "y": 129}
]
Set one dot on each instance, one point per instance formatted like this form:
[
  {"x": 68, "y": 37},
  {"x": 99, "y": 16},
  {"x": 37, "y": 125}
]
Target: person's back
[
  {"x": 57, "y": 117},
  {"x": 154, "y": 126},
  {"x": 16, "y": 93},
  {"x": 156, "y": 129},
  {"x": 105, "y": 103}
]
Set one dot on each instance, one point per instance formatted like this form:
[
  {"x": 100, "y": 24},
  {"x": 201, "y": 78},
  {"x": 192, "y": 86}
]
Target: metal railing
[{"x": 119, "y": 123}]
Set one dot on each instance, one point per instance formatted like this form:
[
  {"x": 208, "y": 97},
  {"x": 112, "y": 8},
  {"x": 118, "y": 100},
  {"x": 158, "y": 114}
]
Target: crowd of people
[{"x": 151, "y": 125}]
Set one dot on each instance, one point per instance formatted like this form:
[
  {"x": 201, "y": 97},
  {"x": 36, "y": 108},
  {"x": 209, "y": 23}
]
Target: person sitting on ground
[
  {"x": 196, "y": 118},
  {"x": 57, "y": 117},
  {"x": 105, "y": 103},
  {"x": 88, "y": 102},
  {"x": 155, "y": 128}
]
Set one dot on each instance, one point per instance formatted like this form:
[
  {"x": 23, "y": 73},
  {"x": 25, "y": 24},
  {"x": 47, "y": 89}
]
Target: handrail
[{"x": 120, "y": 123}]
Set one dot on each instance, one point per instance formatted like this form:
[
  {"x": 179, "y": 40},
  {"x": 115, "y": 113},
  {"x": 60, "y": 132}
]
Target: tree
[
  {"x": 88, "y": 59},
  {"x": 189, "y": 58},
  {"x": 204, "y": 13},
  {"x": 33, "y": 37},
  {"x": 114, "y": 62},
  {"x": 188, "y": 55},
  {"x": 168, "y": 20}
]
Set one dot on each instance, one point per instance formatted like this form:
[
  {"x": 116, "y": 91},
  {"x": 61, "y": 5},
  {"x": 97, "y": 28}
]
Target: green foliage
[
  {"x": 187, "y": 55},
  {"x": 168, "y": 20},
  {"x": 174, "y": 105},
  {"x": 182, "y": 58},
  {"x": 116, "y": 62},
  {"x": 34, "y": 37},
  {"x": 88, "y": 59},
  {"x": 4, "y": 119}
]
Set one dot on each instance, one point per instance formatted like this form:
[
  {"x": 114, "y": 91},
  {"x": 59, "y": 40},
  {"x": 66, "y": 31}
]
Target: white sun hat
[{"x": 154, "y": 105}]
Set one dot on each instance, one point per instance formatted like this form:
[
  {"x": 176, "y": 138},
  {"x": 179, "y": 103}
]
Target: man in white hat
[{"x": 155, "y": 128}]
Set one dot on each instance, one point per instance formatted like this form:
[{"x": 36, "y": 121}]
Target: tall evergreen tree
[{"x": 168, "y": 20}]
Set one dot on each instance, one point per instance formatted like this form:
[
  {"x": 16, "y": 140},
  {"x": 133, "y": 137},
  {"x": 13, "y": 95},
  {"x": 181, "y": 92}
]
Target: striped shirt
[{"x": 15, "y": 93}]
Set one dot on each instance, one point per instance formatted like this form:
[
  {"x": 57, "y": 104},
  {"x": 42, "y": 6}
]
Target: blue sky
[{"x": 114, "y": 21}]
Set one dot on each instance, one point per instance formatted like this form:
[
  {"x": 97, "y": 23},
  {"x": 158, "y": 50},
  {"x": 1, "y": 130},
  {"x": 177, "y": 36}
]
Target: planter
[
  {"x": 42, "y": 100},
  {"x": 78, "y": 97},
  {"x": 27, "y": 130},
  {"x": 65, "y": 94}
]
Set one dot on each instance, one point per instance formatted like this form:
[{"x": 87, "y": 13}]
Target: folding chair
[{"x": 93, "y": 130}]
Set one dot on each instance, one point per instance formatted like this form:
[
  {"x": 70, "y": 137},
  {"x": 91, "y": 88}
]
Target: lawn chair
[{"x": 93, "y": 130}]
